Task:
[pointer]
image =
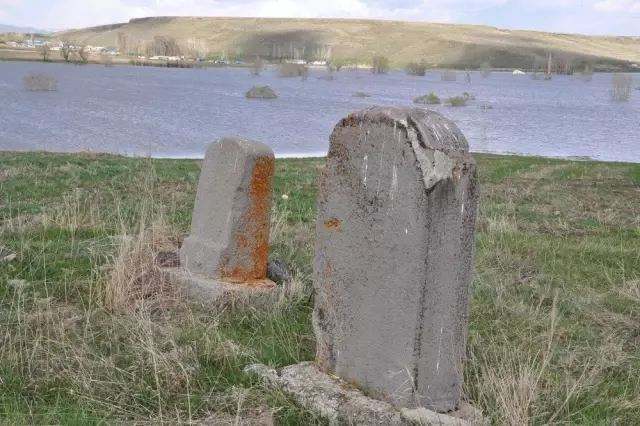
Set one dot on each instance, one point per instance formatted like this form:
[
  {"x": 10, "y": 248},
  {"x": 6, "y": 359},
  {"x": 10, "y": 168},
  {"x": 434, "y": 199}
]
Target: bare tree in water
[
  {"x": 45, "y": 51},
  {"x": 485, "y": 69},
  {"x": 256, "y": 66},
  {"x": 65, "y": 50},
  {"x": 621, "y": 85},
  {"x": 83, "y": 54},
  {"x": 380, "y": 64}
]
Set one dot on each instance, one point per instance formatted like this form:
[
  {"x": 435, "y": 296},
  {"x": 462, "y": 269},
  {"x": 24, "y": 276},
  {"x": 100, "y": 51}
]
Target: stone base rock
[
  {"x": 342, "y": 402},
  {"x": 210, "y": 290}
]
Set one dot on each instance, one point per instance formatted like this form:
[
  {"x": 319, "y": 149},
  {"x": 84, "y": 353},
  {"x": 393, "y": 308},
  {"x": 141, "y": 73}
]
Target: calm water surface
[{"x": 177, "y": 112}]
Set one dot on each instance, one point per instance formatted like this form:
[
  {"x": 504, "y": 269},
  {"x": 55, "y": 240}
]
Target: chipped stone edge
[
  {"x": 340, "y": 401},
  {"x": 437, "y": 163}
]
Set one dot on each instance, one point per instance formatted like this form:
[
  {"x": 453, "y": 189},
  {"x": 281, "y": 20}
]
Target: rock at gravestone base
[
  {"x": 342, "y": 403},
  {"x": 229, "y": 239},
  {"x": 394, "y": 251},
  {"x": 278, "y": 272}
]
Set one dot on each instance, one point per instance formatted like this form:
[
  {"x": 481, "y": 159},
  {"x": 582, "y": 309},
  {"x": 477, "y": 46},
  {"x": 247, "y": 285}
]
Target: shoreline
[
  {"x": 201, "y": 65},
  {"x": 30, "y": 55},
  {"x": 315, "y": 155}
]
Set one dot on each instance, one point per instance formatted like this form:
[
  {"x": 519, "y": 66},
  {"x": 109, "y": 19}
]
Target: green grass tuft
[
  {"x": 429, "y": 98},
  {"x": 457, "y": 101}
]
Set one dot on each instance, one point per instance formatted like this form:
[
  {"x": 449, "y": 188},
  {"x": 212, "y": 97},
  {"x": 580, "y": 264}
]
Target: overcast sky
[{"x": 619, "y": 17}]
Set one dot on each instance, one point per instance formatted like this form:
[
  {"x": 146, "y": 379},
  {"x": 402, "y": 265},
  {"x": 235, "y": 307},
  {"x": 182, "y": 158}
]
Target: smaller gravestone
[{"x": 229, "y": 242}]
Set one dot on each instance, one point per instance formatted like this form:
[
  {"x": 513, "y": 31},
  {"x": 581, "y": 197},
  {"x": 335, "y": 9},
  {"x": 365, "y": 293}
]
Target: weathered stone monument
[
  {"x": 228, "y": 246},
  {"x": 395, "y": 234}
]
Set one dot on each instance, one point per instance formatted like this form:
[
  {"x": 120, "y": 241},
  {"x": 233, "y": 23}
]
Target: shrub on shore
[
  {"x": 418, "y": 69},
  {"x": 429, "y": 98},
  {"x": 40, "y": 82}
]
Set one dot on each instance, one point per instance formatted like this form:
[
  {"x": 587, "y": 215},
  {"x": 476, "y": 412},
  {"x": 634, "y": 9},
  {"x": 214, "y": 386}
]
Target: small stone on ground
[
  {"x": 278, "y": 272},
  {"x": 7, "y": 255},
  {"x": 168, "y": 259}
]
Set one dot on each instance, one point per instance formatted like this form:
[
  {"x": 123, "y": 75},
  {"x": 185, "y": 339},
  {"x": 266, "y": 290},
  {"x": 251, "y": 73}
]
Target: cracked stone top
[{"x": 431, "y": 129}]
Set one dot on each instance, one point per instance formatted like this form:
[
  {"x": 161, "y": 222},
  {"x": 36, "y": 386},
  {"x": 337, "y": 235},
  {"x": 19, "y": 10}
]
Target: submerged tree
[
  {"x": 45, "y": 51},
  {"x": 380, "y": 64},
  {"x": 621, "y": 85},
  {"x": 65, "y": 50},
  {"x": 417, "y": 68},
  {"x": 485, "y": 69},
  {"x": 83, "y": 53},
  {"x": 256, "y": 66}
]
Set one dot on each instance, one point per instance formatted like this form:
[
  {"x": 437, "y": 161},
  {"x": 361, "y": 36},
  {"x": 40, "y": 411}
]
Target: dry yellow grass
[{"x": 402, "y": 42}]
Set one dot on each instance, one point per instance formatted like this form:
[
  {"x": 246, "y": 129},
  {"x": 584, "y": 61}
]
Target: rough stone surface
[
  {"x": 229, "y": 237},
  {"x": 342, "y": 402},
  {"x": 396, "y": 220}
]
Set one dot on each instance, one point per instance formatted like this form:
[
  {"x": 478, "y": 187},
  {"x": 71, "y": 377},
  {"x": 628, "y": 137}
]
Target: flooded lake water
[{"x": 177, "y": 112}]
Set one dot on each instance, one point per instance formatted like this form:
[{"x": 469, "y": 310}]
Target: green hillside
[{"x": 359, "y": 40}]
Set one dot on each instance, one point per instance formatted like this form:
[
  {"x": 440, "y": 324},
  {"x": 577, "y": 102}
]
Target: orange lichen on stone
[
  {"x": 328, "y": 269},
  {"x": 253, "y": 244},
  {"x": 333, "y": 223},
  {"x": 242, "y": 240}
]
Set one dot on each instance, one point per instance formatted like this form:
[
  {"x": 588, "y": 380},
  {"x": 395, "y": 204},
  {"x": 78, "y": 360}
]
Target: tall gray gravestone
[{"x": 396, "y": 223}]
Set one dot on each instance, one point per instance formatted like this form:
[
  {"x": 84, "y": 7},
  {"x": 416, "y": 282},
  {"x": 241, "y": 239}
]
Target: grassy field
[
  {"x": 358, "y": 40},
  {"x": 7, "y": 54},
  {"x": 32, "y": 55},
  {"x": 90, "y": 335}
]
